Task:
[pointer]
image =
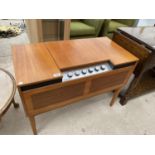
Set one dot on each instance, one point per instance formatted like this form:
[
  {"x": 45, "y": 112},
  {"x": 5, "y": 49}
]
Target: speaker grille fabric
[
  {"x": 57, "y": 95},
  {"x": 107, "y": 81}
]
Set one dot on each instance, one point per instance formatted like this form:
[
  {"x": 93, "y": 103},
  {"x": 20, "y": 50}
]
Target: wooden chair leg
[
  {"x": 33, "y": 125},
  {"x": 16, "y": 105},
  {"x": 123, "y": 100},
  {"x": 116, "y": 93}
]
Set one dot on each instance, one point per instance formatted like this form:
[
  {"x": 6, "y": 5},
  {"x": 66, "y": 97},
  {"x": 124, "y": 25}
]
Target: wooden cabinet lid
[
  {"x": 33, "y": 64},
  {"x": 41, "y": 62},
  {"x": 79, "y": 52}
]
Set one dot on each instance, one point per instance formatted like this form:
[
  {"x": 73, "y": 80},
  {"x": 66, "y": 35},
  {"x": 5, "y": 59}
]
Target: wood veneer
[
  {"x": 139, "y": 41},
  {"x": 136, "y": 49},
  {"x": 38, "y": 63},
  {"x": 33, "y": 64},
  {"x": 75, "y": 53}
]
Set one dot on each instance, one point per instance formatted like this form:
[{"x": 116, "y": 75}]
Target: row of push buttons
[
  {"x": 84, "y": 71},
  {"x": 87, "y": 71}
]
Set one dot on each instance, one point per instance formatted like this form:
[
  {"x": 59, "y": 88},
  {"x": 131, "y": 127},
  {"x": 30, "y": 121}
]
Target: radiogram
[{"x": 54, "y": 74}]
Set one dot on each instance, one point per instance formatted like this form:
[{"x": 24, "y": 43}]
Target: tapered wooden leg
[
  {"x": 116, "y": 93},
  {"x": 16, "y": 105},
  {"x": 33, "y": 125}
]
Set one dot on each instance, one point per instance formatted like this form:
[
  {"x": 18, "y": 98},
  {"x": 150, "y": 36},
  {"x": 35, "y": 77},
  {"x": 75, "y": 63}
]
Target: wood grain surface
[
  {"x": 79, "y": 52},
  {"x": 33, "y": 63}
]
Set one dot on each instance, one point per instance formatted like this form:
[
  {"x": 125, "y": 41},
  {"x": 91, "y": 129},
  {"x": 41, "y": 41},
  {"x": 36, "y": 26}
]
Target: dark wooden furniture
[
  {"x": 7, "y": 95},
  {"x": 140, "y": 41},
  {"x": 39, "y": 69}
]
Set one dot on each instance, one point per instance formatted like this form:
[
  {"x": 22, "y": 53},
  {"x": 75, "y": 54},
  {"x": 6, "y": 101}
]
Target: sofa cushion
[
  {"x": 79, "y": 29},
  {"x": 113, "y": 25},
  {"x": 129, "y": 22},
  {"x": 91, "y": 22}
]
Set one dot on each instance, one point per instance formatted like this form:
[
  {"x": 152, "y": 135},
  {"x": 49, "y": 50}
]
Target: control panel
[{"x": 86, "y": 71}]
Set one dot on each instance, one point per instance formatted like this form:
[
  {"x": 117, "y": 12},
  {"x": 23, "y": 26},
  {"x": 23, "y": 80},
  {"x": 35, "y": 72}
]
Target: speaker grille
[
  {"x": 57, "y": 95},
  {"x": 107, "y": 81}
]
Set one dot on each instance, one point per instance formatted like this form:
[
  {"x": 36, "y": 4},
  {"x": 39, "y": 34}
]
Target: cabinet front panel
[
  {"x": 107, "y": 81},
  {"x": 57, "y": 95}
]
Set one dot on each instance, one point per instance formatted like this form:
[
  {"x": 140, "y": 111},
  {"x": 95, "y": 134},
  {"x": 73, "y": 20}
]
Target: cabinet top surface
[
  {"x": 144, "y": 35},
  {"x": 80, "y": 52},
  {"x": 40, "y": 62},
  {"x": 33, "y": 63}
]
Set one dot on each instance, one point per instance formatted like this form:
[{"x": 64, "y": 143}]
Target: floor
[{"x": 91, "y": 116}]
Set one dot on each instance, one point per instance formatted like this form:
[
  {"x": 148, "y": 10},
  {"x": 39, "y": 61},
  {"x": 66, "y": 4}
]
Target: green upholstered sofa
[
  {"x": 110, "y": 25},
  {"x": 85, "y": 28}
]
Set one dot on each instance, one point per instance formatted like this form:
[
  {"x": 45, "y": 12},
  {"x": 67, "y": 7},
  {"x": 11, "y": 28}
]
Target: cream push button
[
  {"x": 97, "y": 68},
  {"x": 77, "y": 73},
  {"x": 84, "y": 71},
  {"x": 102, "y": 67},
  {"x": 70, "y": 74},
  {"x": 90, "y": 70}
]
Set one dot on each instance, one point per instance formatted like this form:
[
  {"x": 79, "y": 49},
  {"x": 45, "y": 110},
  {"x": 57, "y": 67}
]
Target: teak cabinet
[{"x": 39, "y": 69}]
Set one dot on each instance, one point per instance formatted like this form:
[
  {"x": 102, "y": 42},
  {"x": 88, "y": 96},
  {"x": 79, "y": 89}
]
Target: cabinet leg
[
  {"x": 16, "y": 105},
  {"x": 33, "y": 124},
  {"x": 116, "y": 93}
]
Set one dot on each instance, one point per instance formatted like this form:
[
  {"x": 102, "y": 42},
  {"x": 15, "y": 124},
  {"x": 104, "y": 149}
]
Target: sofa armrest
[
  {"x": 105, "y": 27},
  {"x": 96, "y": 23}
]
